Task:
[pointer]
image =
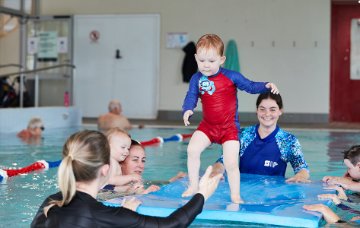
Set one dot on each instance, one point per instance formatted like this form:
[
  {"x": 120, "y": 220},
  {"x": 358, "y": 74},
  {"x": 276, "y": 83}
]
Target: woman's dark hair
[
  {"x": 353, "y": 154},
  {"x": 276, "y": 97}
]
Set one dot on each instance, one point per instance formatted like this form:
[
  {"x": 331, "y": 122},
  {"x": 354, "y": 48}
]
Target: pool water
[{"x": 20, "y": 196}]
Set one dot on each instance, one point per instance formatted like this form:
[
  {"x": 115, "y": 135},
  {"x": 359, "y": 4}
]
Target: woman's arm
[{"x": 298, "y": 163}]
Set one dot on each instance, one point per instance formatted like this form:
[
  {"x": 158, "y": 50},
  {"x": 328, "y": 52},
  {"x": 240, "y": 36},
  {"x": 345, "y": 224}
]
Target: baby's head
[
  {"x": 119, "y": 142},
  {"x": 210, "y": 41},
  {"x": 352, "y": 161},
  {"x": 135, "y": 162},
  {"x": 209, "y": 54}
]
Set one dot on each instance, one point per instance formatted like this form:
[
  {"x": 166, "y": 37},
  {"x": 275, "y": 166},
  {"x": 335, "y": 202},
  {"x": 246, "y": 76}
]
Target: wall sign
[
  {"x": 94, "y": 36},
  {"x": 176, "y": 39},
  {"x": 48, "y": 46}
]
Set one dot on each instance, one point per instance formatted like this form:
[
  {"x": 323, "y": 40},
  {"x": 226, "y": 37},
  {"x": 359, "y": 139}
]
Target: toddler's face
[
  {"x": 209, "y": 61},
  {"x": 119, "y": 146},
  {"x": 353, "y": 170}
]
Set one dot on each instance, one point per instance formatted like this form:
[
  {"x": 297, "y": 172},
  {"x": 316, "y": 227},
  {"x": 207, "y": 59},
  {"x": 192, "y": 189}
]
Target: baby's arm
[
  {"x": 186, "y": 117},
  {"x": 191, "y": 99},
  {"x": 119, "y": 180}
]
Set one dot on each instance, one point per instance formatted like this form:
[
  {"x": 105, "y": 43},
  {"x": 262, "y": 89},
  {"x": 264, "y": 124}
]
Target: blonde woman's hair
[
  {"x": 209, "y": 41},
  {"x": 84, "y": 153},
  {"x": 35, "y": 123}
]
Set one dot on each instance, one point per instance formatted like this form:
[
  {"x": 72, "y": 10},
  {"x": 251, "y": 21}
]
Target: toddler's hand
[
  {"x": 273, "y": 88},
  {"x": 186, "y": 117}
]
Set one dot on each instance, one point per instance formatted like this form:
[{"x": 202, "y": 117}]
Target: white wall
[{"x": 301, "y": 72}]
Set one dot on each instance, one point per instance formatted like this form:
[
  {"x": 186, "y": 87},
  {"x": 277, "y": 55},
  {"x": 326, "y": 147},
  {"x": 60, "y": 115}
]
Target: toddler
[{"x": 217, "y": 89}]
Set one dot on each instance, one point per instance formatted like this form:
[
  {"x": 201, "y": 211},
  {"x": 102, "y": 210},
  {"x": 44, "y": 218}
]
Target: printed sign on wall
[
  {"x": 48, "y": 45},
  {"x": 176, "y": 39}
]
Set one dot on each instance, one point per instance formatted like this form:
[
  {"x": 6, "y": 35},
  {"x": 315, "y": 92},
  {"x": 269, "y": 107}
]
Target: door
[
  {"x": 117, "y": 57},
  {"x": 344, "y": 89}
]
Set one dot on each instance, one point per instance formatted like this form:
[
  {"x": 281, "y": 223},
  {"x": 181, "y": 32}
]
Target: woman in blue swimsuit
[{"x": 266, "y": 148}]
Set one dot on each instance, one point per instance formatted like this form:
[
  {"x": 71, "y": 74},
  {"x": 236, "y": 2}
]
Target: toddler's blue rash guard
[{"x": 269, "y": 156}]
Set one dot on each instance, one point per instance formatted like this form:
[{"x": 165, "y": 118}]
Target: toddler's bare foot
[
  {"x": 236, "y": 199},
  {"x": 189, "y": 192}
]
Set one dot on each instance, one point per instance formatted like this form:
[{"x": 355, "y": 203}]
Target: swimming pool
[{"x": 21, "y": 195}]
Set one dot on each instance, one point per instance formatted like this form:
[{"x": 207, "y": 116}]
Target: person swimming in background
[
  {"x": 266, "y": 148},
  {"x": 32, "y": 134},
  {"x": 84, "y": 169},
  {"x": 114, "y": 118},
  {"x": 217, "y": 89}
]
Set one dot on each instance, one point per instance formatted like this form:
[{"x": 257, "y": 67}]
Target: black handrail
[
  {"x": 11, "y": 65},
  {"x": 36, "y": 70}
]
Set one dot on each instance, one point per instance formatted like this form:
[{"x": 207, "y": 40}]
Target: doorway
[
  {"x": 344, "y": 89},
  {"x": 117, "y": 57}
]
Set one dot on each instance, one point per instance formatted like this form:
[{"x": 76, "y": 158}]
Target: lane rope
[{"x": 45, "y": 165}]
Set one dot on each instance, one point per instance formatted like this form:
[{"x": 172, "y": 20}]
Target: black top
[{"x": 85, "y": 211}]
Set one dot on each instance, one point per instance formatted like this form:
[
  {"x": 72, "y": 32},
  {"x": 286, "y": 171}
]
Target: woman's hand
[
  {"x": 301, "y": 177},
  {"x": 207, "y": 184},
  {"x": 186, "y": 117},
  {"x": 131, "y": 204}
]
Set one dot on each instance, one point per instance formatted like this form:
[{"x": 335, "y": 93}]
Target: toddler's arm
[
  {"x": 124, "y": 179},
  {"x": 186, "y": 117}
]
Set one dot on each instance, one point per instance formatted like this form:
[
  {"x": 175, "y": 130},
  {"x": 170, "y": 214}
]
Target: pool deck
[{"x": 336, "y": 126}]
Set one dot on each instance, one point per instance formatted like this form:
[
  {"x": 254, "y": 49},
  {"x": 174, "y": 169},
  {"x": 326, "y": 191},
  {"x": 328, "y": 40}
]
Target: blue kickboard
[{"x": 268, "y": 200}]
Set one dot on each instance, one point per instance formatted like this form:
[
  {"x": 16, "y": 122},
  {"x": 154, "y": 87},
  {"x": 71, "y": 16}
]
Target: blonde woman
[{"x": 82, "y": 173}]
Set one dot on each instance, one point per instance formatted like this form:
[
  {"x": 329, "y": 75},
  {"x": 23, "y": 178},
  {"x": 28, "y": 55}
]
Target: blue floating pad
[{"x": 268, "y": 200}]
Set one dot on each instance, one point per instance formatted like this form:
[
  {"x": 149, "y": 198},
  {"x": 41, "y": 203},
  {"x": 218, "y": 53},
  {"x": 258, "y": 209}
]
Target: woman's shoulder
[
  {"x": 285, "y": 134},
  {"x": 248, "y": 134},
  {"x": 249, "y": 129}
]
